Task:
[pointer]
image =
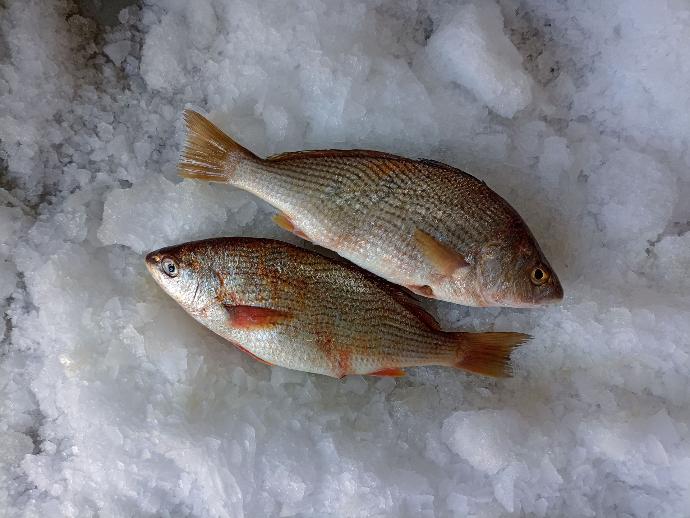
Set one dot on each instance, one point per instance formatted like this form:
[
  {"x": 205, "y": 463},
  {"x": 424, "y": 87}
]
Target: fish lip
[
  {"x": 555, "y": 297},
  {"x": 152, "y": 259},
  {"x": 558, "y": 293}
]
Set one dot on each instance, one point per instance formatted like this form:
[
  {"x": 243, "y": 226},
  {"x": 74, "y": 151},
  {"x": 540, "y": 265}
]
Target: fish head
[
  {"x": 514, "y": 273},
  {"x": 183, "y": 274}
]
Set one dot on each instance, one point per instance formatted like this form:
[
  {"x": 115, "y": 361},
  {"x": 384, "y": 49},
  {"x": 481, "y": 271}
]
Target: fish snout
[
  {"x": 553, "y": 294},
  {"x": 153, "y": 259}
]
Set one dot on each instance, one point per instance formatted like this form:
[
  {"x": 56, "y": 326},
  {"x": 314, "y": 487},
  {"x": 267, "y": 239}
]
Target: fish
[
  {"x": 433, "y": 229},
  {"x": 287, "y": 306}
]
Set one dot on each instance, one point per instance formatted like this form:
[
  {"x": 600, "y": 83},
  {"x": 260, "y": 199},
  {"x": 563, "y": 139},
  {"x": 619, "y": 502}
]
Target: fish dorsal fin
[
  {"x": 333, "y": 153},
  {"x": 436, "y": 163},
  {"x": 253, "y": 317},
  {"x": 441, "y": 256}
]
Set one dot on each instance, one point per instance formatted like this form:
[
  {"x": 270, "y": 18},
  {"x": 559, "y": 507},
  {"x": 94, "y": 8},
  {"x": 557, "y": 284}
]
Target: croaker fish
[
  {"x": 290, "y": 307},
  {"x": 421, "y": 224}
]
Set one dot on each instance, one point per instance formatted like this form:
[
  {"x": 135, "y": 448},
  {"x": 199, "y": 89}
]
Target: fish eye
[
  {"x": 539, "y": 276},
  {"x": 169, "y": 267}
]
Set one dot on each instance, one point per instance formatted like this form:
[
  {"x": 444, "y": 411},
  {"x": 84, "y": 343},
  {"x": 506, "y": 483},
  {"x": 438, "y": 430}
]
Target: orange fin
[
  {"x": 445, "y": 259},
  {"x": 487, "y": 353},
  {"x": 333, "y": 153},
  {"x": 286, "y": 223},
  {"x": 424, "y": 291},
  {"x": 252, "y": 317},
  {"x": 209, "y": 154},
  {"x": 246, "y": 351},
  {"x": 393, "y": 372}
]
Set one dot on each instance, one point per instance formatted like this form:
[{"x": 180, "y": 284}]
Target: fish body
[
  {"x": 421, "y": 224},
  {"x": 295, "y": 308}
]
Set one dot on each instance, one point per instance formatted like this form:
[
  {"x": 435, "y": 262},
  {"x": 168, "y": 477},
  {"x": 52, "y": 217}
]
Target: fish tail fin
[
  {"x": 209, "y": 154},
  {"x": 486, "y": 353}
]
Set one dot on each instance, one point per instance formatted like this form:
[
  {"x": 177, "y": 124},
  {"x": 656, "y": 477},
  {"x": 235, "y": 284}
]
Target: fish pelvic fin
[
  {"x": 209, "y": 154},
  {"x": 487, "y": 354},
  {"x": 286, "y": 223}
]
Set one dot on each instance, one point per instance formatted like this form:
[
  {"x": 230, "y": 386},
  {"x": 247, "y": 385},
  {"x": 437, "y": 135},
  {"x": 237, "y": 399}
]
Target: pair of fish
[{"x": 433, "y": 229}]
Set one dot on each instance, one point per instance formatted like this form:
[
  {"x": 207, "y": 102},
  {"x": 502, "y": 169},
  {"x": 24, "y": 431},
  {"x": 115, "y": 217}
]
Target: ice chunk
[
  {"x": 504, "y": 488},
  {"x": 672, "y": 265},
  {"x": 117, "y": 51},
  {"x": 483, "y": 438},
  {"x": 181, "y": 212},
  {"x": 285, "y": 486},
  {"x": 472, "y": 49},
  {"x": 634, "y": 196},
  {"x": 8, "y": 278},
  {"x": 162, "y": 54},
  {"x": 13, "y": 446}
]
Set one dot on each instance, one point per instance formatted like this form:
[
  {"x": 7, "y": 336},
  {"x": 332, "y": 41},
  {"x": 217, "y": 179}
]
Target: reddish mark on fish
[
  {"x": 338, "y": 357},
  {"x": 343, "y": 363},
  {"x": 393, "y": 372},
  {"x": 253, "y": 317},
  {"x": 223, "y": 295}
]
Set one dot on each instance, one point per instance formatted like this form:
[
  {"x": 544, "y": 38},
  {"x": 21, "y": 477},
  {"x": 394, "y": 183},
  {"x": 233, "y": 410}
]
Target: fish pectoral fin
[
  {"x": 423, "y": 290},
  {"x": 286, "y": 223},
  {"x": 253, "y": 317},
  {"x": 442, "y": 257},
  {"x": 393, "y": 372}
]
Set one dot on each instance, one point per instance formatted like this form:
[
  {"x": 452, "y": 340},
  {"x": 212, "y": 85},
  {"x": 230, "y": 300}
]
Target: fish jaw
[{"x": 152, "y": 261}]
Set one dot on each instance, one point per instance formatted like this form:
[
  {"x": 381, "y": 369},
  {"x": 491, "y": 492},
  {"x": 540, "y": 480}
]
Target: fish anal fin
[
  {"x": 392, "y": 372},
  {"x": 253, "y": 317},
  {"x": 286, "y": 223},
  {"x": 332, "y": 153},
  {"x": 441, "y": 256}
]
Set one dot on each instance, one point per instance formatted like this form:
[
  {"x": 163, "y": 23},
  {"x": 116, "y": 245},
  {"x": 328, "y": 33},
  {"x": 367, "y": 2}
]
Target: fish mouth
[
  {"x": 153, "y": 259},
  {"x": 553, "y": 296},
  {"x": 557, "y": 292}
]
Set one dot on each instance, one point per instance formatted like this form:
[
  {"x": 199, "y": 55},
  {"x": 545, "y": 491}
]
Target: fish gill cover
[{"x": 113, "y": 403}]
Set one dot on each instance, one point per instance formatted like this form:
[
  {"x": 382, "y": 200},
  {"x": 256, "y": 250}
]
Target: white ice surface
[{"x": 113, "y": 402}]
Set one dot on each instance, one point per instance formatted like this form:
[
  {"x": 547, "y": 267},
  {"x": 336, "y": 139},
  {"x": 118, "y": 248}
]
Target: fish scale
[{"x": 421, "y": 224}]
